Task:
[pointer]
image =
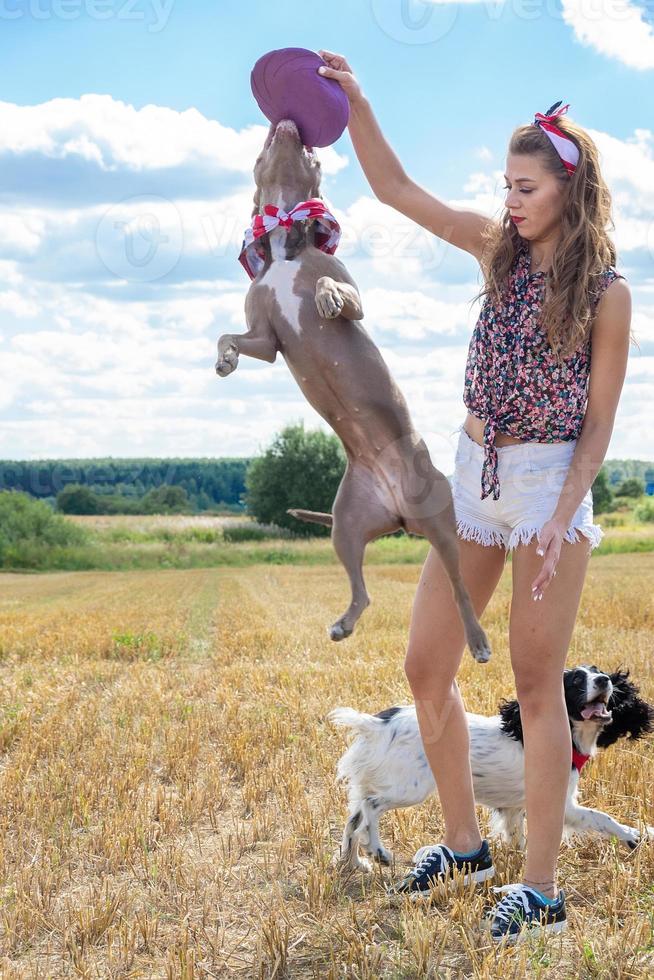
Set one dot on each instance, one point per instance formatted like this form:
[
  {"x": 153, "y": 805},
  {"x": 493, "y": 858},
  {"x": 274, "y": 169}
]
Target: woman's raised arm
[{"x": 387, "y": 177}]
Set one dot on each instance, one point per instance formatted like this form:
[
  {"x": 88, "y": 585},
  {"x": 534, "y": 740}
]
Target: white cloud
[
  {"x": 393, "y": 248},
  {"x": 93, "y": 363},
  {"x": 615, "y": 28},
  {"x": 20, "y": 232},
  {"x": 413, "y": 315},
  {"x": 18, "y": 305},
  {"x": 116, "y": 136}
]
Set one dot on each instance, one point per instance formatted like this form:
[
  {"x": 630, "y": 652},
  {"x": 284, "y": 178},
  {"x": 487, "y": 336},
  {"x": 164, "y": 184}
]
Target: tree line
[
  {"x": 111, "y": 485},
  {"x": 299, "y": 469}
]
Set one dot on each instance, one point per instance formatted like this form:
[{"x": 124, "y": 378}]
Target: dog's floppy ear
[
  {"x": 511, "y": 721},
  {"x": 632, "y": 717}
]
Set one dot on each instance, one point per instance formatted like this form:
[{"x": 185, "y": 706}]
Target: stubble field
[{"x": 169, "y": 807}]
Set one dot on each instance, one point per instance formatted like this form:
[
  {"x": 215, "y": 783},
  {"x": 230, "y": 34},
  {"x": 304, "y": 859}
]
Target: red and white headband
[{"x": 567, "y": 150}]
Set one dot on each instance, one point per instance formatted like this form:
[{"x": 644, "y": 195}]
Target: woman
[{"x": 537, "y": 430}]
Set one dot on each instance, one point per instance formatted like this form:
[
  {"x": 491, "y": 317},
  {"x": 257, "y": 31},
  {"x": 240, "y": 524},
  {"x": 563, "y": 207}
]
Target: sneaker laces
[
  {"x": 438, "y": 851},
  {"x": 422, "y": 852},
  {"x": 515, "y": 899}
]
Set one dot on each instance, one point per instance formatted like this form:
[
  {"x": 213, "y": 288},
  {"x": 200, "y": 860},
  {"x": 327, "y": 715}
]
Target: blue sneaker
[
  {"x": 524, "y": 910},
  {"x": 441, "y": 863}
]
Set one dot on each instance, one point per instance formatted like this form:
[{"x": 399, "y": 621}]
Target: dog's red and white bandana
[{"x": 327, "y": 232}]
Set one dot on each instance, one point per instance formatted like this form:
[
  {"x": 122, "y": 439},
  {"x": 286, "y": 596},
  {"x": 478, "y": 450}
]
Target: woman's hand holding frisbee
[
  {"x": 338, "y": 69},
  {"x": 286, "y": 85}
]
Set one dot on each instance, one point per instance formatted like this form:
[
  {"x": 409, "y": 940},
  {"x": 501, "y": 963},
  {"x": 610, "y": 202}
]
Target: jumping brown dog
[{"x": 304, "y": 303}]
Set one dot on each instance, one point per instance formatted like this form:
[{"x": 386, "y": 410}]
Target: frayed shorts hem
[{"x": 523, "y": 534}]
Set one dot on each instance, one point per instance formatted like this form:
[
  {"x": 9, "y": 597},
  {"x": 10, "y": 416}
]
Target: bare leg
[
  {"x": 441, "y": 532},
  {"x": 539, "y": 634},
  {"x": 429, "y": 510},
  {"x": 358, "y": 517},
  {"x": 436, "y": 644}
]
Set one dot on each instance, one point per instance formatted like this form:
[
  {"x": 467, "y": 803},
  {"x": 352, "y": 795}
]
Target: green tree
[
  {"x": 601, "y": 491},
  {"x": 633, "y": 487},
  {"x": 300, "y": 469},
  {"x": 77, "y": 499},
  {"x": 166, "y": 499},
  {"x": 202, "y": 501}
]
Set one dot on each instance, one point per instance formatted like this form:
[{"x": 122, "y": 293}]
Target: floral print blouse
[{"x": 512, "y": 377}]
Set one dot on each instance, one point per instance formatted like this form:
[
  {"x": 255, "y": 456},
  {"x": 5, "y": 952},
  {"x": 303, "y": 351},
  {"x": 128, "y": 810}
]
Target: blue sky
[{"x": 125, "y": 111}]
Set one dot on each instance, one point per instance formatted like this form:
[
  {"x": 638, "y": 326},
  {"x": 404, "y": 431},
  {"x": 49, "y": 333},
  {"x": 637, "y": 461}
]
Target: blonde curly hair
[{"x": 584, "y": 251}]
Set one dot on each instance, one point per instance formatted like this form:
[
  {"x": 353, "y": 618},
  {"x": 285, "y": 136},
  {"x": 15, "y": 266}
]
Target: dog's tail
[
  {"x": 311, "y": 515},
  {"x": 357, "y": 720},
  {"x": 366, "y": 751}
]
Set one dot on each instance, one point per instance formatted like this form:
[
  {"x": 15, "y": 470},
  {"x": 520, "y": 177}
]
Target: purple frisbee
[{"x": 286, "y": 85}]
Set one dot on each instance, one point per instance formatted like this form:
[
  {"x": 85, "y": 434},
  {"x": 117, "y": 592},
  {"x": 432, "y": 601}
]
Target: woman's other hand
[
  {"x": 550, "y": 540},
  {"x": 337, "y": 67}
]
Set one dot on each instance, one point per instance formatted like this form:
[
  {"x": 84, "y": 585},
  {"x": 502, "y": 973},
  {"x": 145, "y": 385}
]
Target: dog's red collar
[
  {"x": 579, "y": 760},
  {"x": 326, "y": 238}
]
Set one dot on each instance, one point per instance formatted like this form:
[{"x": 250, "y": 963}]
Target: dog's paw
[
  {"x": 227, "y": 361},
  {"x": 381, "y": 855},
  {"x": 480, "y": 649},
  {"x": 338, "y": 631},
  {"x": 637, "y": 837},
  {"x": 634, "y": 836},
  {"x": 353, "y": 863},
  {"x": 329, "y": 301}
]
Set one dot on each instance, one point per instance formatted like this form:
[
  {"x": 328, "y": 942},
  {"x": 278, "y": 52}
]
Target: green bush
[
  {"x": 166, "y": 499},
  {"x": 205, "y": 535},
  {"x": 30, "y": 531},
  {"x": 633, "y": 487},
  {"x": 614, "y": 520},
  {"x": 254, "y": 532},
  {"x": 645, "y": 510}
]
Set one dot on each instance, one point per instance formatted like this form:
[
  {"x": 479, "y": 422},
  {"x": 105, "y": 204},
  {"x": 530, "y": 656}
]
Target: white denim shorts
[{"x": 531, "y": 476}]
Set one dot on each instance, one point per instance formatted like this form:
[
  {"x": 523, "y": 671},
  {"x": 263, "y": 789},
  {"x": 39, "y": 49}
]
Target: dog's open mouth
[{"x": 597, "y": 708}]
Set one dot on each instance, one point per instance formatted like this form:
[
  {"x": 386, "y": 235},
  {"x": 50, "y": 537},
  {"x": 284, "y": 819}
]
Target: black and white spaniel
[{"x": 385, "y": 766}]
